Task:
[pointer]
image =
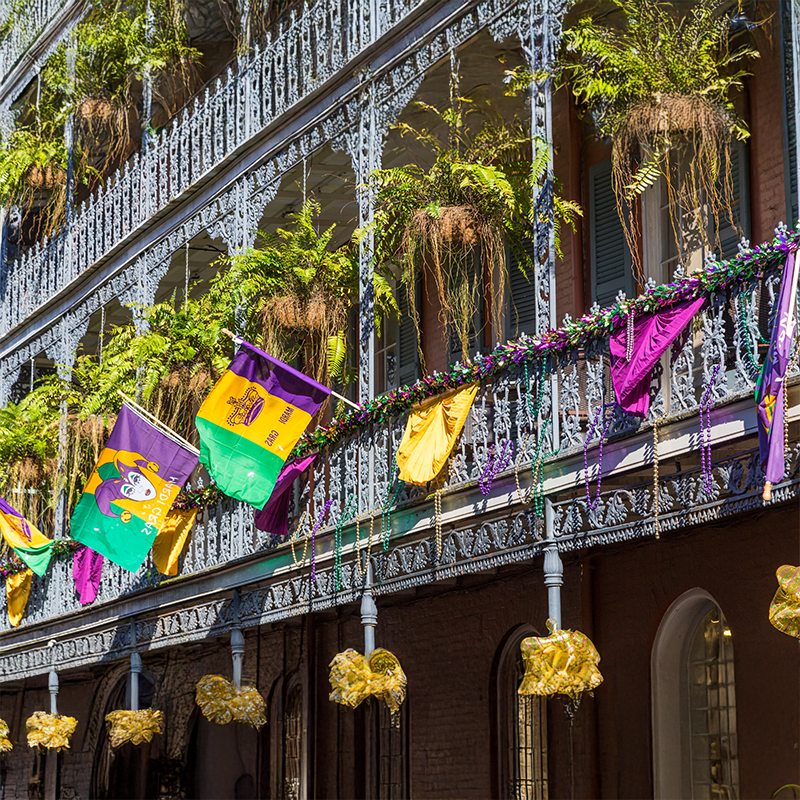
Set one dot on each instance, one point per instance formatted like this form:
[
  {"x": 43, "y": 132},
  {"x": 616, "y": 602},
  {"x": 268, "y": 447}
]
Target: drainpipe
[
  {"x": 369, "y": 614},
  {"x": 237, "y": 643}
]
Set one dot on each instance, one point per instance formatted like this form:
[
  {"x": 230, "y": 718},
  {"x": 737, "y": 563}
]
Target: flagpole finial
[
  {"x": 236, "y": 339},
  {"x": 767, "y": 495}
]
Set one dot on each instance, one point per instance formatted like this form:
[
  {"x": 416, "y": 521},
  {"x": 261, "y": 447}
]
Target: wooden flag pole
[
  {"x": 239, "y": 340},
  {"x": 158, "y": 423}
]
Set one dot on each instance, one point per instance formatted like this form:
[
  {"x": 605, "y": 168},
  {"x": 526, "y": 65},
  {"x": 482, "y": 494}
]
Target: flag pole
[
  {"x": 239, "y": 340},
  {"x": 158, "y": 423}
]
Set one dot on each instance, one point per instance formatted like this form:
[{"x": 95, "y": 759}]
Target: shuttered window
[
  {"x": 611, "y": 257},
  {"x": 407, "y": 343},
  {"x": 731, "y": 234},
  {"x": 790, "y": 155},
  {"x": 520, "y": 314}
]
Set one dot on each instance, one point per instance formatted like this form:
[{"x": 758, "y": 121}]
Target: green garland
[{"x": 62, "y": 548}]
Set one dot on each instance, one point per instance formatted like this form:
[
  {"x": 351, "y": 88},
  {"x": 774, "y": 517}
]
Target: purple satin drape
[
  {"x": 274, "y": 517},
  {"x": 87, "y": 568},
  {"x": 652, "y": 335}
]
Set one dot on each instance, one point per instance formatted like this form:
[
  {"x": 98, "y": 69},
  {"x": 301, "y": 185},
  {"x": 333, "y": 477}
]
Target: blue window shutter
[
  {"x": 730, "y": 235},
  {"x": 611, "y": 256},
  {"x": 407, "y": 343},
  {"x": 521, "y": 311}
]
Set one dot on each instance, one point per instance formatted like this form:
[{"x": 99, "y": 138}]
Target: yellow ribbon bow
[
  {"x": 5, "y": 742},
  {"x": 355, "y": 678},
  {"x": 784, "y": 611},
  {"x": 50, "y": 730},
  {"x": 221, "y": 702},
  {"x": 563, "y": 663},
  {"x": 135, "y": 727}
]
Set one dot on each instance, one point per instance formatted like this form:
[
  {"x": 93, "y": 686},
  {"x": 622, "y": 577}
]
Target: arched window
[
  {"x": 293, "y": 743},
  {"x": 522, "y": 727},
  {"x": 694, "y": 702}
]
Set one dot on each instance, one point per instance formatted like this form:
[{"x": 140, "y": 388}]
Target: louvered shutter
[
  {"x": 730, "y": 235},
  {"x": 521, "y": 309},
  {"x": 611, "y": 257},
  {"x": 408, "y": 351},
  {"x": 790, "y": 156}
]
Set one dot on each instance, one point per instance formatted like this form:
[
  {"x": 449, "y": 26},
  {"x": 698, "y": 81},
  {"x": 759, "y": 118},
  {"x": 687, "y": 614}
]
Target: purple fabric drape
[
  {"x": 5, "y": 508},
  {"x": 769, "y": 389},
  {"x": 87, "y": 567},
  {"x": 652, "y": 335},
  {"x": 274, "y": 517}
]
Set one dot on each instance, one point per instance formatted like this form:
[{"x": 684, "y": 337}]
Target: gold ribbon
[
  {"x": 50, "y": 730},
  {"x": 18, "y": 589},
  {"x": 221, "y": 702},
  {"x": 355, "y": 678},
  {"x": 5, "y": 742},
  {"x": 563, "y": 663},
  {"x": 784, "y": 611},
  {"x": 135, "y": 727}
]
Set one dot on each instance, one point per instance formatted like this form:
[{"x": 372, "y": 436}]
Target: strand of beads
[
  {"x": 293, "y": 537},
  {"x": 705, "y": 433},
  {"x": 337, "y": 540},
  {"x": 317, "y": 526},
  {"x": 591, "y": 505},
  {"x": 437, "y": 505},
  {"x": 495, "y": 464},
  {"x": 656, "y": 495},
  {"x": 363, "y": 572},
  {"x": 388, "y": 503},
  {"x": 629, "y": 336},
  {"x": 516, "y": 467}
]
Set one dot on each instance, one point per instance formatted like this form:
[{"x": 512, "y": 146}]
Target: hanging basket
[
  {"x": 136, "y": 727},
  {"x": 784, "y": 611},
  {"x": 45, "y": 179},
  {"x": 221, "y": 702},
  {"x": 455, "y": 228},
  {"x": 50, "y": 731},
  {"x": 354, "y": 678},
  {"x": 97, "y": 109},
  {"x": 300, "y": 314},
  {"x": 563, "y": 663}
]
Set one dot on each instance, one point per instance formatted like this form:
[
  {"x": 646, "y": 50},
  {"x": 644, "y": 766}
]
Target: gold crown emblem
[{"x": 245, "y": 408}]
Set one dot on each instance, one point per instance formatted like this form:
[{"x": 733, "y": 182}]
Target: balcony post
[
  {"x": 136, "y": 671},
  {"x": 369, "y": 614},
  {"x": 553, "y": 566},
  {"x": 237, "y": 643}
]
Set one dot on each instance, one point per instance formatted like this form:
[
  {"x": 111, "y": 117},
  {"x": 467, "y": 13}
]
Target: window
[
  {"x": 694, "y": 702},
  {"x": 392, "y": 753},
  {"x": 520, "y": 311},
  {"x": 396, "y": 349},
  {"x": 293, "y": 744},
  {"x": 522, "y": 728}
]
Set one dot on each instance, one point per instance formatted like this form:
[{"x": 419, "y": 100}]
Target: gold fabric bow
[
  {"x": 135, "y": 727},
  {"x": 784, "y": 611},
  {"x": 354, "y": 678},
  {"x": 50, "y": 730},
  {"x": 221, "y": 702},
  {"x": 5, "y": 742},
  {"x": 563, "y": 663}
]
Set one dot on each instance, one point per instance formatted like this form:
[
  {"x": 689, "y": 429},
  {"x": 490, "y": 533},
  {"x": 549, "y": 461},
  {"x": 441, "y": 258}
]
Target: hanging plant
[
  {"x": 477, "y": 196},
  {"x": 299, "y": 289},
  {"x": 659, "y": 82}
]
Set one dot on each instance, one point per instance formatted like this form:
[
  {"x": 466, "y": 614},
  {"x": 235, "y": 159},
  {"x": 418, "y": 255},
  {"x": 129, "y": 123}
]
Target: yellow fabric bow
[
  {"x": 563, "y": 663},
  {"x": 5, "y": 742},
  {"x": 354, "y": 678},
  {"x": 784, "y": 611},
  {"x": 431, "y": 433},
  {"x": 171, "y": 540},
  {"x": 135, "y": 727},
  {"x": 18, "y": 589},
  {"x": 50, "y": 730},
  {"x": 221, "y": 702}
]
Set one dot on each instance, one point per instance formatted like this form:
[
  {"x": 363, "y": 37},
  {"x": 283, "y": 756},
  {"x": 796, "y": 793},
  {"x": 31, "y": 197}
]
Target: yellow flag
[
  {"x": 431, "y": 433},
  {"x": 18, "y": 587},
  {"x": 171, "y": 540}
]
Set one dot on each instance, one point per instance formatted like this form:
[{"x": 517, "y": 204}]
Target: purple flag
[
  {"x": 274, "y": 517},
  {"x": 769, "y": 389},
  {"x": 652, "y": 335},
  {"x": 87, "y": 569}
]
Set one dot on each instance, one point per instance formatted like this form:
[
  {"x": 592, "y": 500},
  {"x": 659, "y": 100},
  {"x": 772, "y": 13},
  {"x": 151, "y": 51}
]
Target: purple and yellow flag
[
  {"x": 251, "y": 421},
  {"x": 770, "y": 386},
  {"x": 135, "y": 481},
  {"x": 25, "y": 539}
]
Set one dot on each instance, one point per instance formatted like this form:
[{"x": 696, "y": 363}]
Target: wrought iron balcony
[
  {"x": 492, "y": 512},
  {"x": 308, "y": 50}
]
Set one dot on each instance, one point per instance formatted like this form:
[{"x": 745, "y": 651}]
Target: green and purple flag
[
  {"x": 770, "y": 386},
  {"x": 135, "y": 481},
  {"x": 252, "y": 420}
]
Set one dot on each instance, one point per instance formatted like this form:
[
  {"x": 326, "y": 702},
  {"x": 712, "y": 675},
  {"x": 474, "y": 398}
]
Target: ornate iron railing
[
  {"x": 307, "y": 50},
  {"x": 716, "y": 363}
]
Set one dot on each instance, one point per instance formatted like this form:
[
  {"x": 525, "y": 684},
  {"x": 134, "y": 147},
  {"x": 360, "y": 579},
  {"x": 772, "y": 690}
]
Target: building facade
[{"x": 700, "y": 697}]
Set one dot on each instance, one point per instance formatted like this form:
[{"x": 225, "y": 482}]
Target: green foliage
[{"x": 656, "y": 49}]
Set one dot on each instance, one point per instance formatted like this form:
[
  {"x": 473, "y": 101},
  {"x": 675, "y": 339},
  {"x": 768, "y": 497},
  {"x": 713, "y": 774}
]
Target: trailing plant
[
  {"x": 659, "y": 80},
  {"x": 299, "y": 289},
  {"x": 476, "y": 196}
]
